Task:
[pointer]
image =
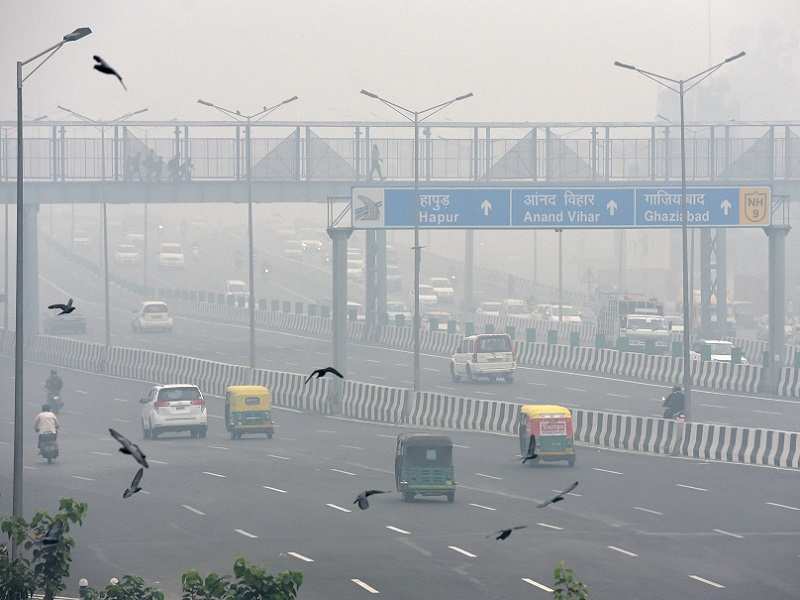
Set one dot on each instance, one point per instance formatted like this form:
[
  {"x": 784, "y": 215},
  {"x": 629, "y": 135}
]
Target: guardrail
[{"x": 399, "y": 406}]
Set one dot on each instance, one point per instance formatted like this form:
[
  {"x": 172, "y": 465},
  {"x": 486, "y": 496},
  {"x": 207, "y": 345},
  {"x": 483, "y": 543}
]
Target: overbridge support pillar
[
  {"x": 776, "y": 234},
  {"x": 713, "y": 283},
  {"x": 30, "y": 242},
  {"x": 339, "y": 237},
  {"x": 375, "y": 278},
  {"x": 469, "y": 271}
]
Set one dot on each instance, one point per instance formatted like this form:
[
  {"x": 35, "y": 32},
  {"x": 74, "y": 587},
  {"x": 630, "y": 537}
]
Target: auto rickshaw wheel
[
  {"x": 203, "y": 432},
  {"x": 269, "y": 435},
  {"x": 571, "y": 461},
  {"x": 451, "y": 497},
  {"x": 408, "y": 496}
]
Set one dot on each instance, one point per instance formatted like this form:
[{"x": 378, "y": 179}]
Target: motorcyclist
[
  {"x": 674, "y": 403},
  {"x": 53, "y": 384},
  {"x": 46, "y": 424}
]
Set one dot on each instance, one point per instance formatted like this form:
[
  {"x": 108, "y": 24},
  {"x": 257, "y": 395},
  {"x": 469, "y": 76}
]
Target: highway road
[
  {"x": 637, "y": 526},
  {"x": 301, "y": 353}
]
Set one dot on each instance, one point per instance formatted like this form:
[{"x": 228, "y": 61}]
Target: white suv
[
  {"x": 443, "y": 288},
  {"x": 170, "y": 256},
  {"x": 485, "y": 355},
  {"x": 179, "y": 407},
  {"x": 153, "y": 315}
]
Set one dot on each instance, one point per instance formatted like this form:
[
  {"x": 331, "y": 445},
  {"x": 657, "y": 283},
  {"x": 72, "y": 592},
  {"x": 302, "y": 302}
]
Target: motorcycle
[
  {"x": 48, "y": 446},
  {"x": 674, "y": 413},
  {"x": 55, "y": 402}
]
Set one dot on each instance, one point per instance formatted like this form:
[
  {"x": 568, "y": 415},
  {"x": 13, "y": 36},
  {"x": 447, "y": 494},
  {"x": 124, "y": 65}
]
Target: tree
[
  {"x": 566, "y": 586},
  {"x": 17, "y": 580},
  {"x": 128, "y": 588},
  {"x": 249, "y": 582}
]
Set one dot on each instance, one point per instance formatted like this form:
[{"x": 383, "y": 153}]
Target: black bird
[
  {"x": 559, "y": 497},
  {"x": 64, "y": 308},
  {"x": 53, "y": 535},
  {"x": 505, "y": 533},
  {"x": 322, "y": 372},
  {"x": 531, "y": 454},
  {"x": 128, "y": 447},
  {"x": 362, "y": 501},
  {"x": 134, "y": 486},
  {"x": 107, "y": 69}
]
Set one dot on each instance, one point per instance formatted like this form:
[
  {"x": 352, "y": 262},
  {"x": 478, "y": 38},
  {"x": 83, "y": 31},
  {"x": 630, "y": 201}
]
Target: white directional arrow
[
  {"x": 611, "y": 207},
  {"x": 726, "y": 207},
  {"x": 486, "y": 207}
]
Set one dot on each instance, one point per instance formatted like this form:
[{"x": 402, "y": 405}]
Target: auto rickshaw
[
  {"x": 248, "y": 409},
  {"x": 547, "y": 429},
  {"x": 423, "y": 466}
]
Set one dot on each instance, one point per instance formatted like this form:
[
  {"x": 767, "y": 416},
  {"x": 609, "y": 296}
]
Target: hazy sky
[{"x": 533, "y": 60}]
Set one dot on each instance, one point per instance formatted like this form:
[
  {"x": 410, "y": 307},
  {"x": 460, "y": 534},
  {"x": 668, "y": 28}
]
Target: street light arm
[
  {"x": 268, "y": 109},
  {"x": 695, "y": 79},
  {"x": 226, "y": 111},
  {"x": 130, "y": 114},
  {"x": 708, "y": 73},
  {"x": 76, "y": 114},
  {"x": 442, "y": 105},
  {"x": 52, "y": 50}
]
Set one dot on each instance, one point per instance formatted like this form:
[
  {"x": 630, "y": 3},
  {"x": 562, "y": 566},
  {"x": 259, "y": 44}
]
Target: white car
[
  {"x": 312, "y": 246},
  {"x": 395, "y": 308},
  {"x": 179, "y": 407},
  {"x": 443, "y": 288},
  {"x": 355, "y": 269},
  {"x": 153, "y": 315},
  {"x": 170, "y": 256},
  {"x": 127, "y": 254},
  {"x": 721, "y": 351},
  {"x": 427, "y": 295},
  {"x": 518, "y": 309},
  {"x": 568, "y": 313},
  {"x": 484, "y": 355},
  {"x": 293, "y": 249},
  {"x": 237, "y": 290},
  {"x": 355, "y": 307},
  {"x": 490, "y": 309}
]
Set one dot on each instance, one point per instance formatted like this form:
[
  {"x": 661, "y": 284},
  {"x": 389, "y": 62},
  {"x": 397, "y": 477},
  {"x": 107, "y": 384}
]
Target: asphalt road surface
[
  {"x": 637, "y": 526},
  {"x": 301, "y": 353}
]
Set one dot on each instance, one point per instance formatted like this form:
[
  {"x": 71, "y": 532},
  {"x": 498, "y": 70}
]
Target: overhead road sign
[{"x": 559, "y": 208}]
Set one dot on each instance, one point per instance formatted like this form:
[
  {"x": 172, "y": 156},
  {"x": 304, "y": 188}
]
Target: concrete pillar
[
  {"x": 339, "y": 237},
  {"x": 375, "y": 277},
  {"x": 30, "y": 241},
  {"x": 776, "y": 235},
  {"x": 469, "y": 270},
  {"x": 380, "y": 287}
]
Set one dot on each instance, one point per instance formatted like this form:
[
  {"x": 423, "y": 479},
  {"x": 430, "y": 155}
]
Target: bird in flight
[
  {"x": 128, "y": 447},
  {"x": 503, "y": 534},
  {"x": 134, "y": 486},
  {"x": 107, "y": 69},
  {"x": 558, "y": 497},
  {"x": 362, "y": 501},
  {"x": 531, "y": 454},
  {"x": 322, "y": 372},
  {"x": 64, "y": 308},
  {"x": 53, "y": 535}
]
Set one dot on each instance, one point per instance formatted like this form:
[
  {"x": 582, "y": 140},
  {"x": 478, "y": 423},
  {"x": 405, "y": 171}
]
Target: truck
[{"x": 642, "y": 322}]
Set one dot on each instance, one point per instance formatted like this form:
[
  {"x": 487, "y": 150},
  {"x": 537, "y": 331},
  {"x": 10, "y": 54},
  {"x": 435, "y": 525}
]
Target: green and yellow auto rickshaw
[
  {"x": 547, "y": 430},
  {"x": 248, "y": 409},
  {"x": 423, "y": 466}
]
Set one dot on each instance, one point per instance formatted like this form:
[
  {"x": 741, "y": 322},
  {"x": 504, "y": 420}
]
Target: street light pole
[
  {"x": 683, "y": 86},
  {"x": 17, "y": 506},
  {"x": 238, "y": 116},
  {"x": 414, "y": 117}
]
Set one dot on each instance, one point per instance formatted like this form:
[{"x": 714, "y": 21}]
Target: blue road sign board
[{"x": 559, "y": 208}]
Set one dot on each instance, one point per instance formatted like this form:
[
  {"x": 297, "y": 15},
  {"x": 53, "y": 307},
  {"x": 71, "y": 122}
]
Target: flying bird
[
  {"x": 107, "y": 69},
  {"x": 559, "y": 497},
  {"x": 505, "y": 533},
  {"x": 531, "y": 454},
  {"x": 362, "y": 501},
  {"x": 322, "y": 372},
  {"x": 128, "y": 447},
  {"x": 134, "y": 486},
  {"x": 64, "y": 308},
  {"x": 53, "y": 535}
]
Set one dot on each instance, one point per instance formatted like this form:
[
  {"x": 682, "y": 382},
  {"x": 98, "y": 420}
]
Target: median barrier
[
  {"x": 789, "y": 382},
  {"x": 443, "y": 411},
  {"x": 625, "y": 432},
  {"x": 370, "y": 402},
  {"x": 745, "y": 445}
]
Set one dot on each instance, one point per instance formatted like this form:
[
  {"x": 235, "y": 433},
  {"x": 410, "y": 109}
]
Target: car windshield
[
  {"x": 172, "y": 248},
  {"x": 179, "y": 393},
  {"x": 155, "y": 308},
  {"x": 491, "y": 306},
  {"x": 443, "y": 282},
  {"x": 494, "y": 343},
  {"x": 720, "y": 349},
  {"x": 650, "y": 323},
  {"x": 427, "y": 290},
  {"x": 516, "y": 309},
  {"x": 237, "y": 286}
]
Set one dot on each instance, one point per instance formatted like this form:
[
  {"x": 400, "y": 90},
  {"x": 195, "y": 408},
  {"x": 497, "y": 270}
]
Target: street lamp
[
  {"x": 416, "y": 117},
  {"x": 238, "y": 116},
  {"x": 20, "y": 322},
  {"x": 101, "y": 126},
  {"x": 684, "y": 85}
]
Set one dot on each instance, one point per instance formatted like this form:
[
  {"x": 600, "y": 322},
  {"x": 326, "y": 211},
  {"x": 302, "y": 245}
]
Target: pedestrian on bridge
[{"x": 377, "y": 161}]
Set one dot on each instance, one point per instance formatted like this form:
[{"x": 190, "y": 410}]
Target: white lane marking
[
  {"x": 299, "y": 556},
  {"x": 341, "y": 471},
  {"x": 536, "y": 384},
  {"x": 4, "y": 443},
  {"x": 766, "y": 412},
  {"x": 622, "y": 551},
  {"x": 120, "y": 399},
  {"x": 461, "y": 446},
  {"x": 373, "y": 361},
  {"x": 712, "y": 405},
  {"x": 118, "y": 420},
  {"x": 157, "y": 462},
  {"x": 462, "y": 551},
  {"x": 274, "y": 489},
  {"x": 246, "y": 534},
  {"x": 377, "y": 378},
  {"x": 287, "y": 409},
  {"x": 617, "y": 395},
  {"x": 82, "y": 478},
  {"x": 398, "y": 530},
  {"x": 445, "y": 387},
  {"x": 574, "y": 389},
  {"x": 339, "y": 508},
  {"x": 782, "y": 505},
  {"x": 728, "y": 533},
  {"x": 707, "y": 581},
  {"x": 193, "y": 509},
  {"x": 568, "y": 493},
  {"x": 606, "y": 471},
  {"x": 431, "y": 370},
  {"x": 536, "y": 584},
  {"x": 219, "y": 447},
  {"x": 81, "y": 392},
  {"x": 30, "y": 468},
  {"x": 101, "y": 453},
  {"x": 691, "y": 487},
  {"x": 548, "y": 526},
  {"x": 214, "y": 474},
  {"x": 400, "y": 364},
  {"x": 648, "y": 510},
  {"x": 216, "y": 416},
  {"x": 482, "y": 506},
  {"x": 365, "y": 586},
  {"x": 384, "y": 435},
  {"x": 351, "y": 447},
  {"x": 406, "y": 381},
  {"x": 279, "y": 457},
  {"x": 325, "y": 431},
  {"x": 489, "y": 476}
]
